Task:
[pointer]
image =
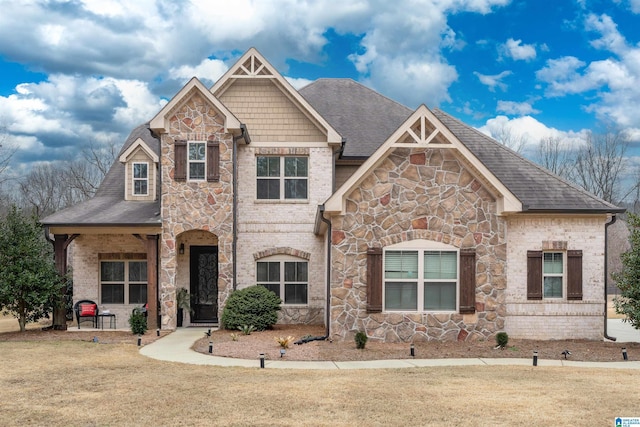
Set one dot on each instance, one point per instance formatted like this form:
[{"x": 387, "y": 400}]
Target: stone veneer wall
[
  {"x": 556, "y": 318},
  {"x": 418, "y": 194},
  {"x": 86, "y": 269},
  {"x": 186, "y": 206}
]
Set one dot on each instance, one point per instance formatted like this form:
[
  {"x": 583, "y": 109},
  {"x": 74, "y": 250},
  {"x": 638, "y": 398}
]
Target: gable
[
  {"x": 193, "y": 91},
  {"x": 422, "y": 130},
  {"x": 269, "y": 113},
  {"x": 272, "y": 109}
]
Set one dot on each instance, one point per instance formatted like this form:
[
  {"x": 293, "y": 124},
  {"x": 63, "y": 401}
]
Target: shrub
[
  {"x": 246, "y": 329},
  {"x": 284, "y": 342},
  {"x": 361, "y": 340},
  {"x": 255, "y": 305},
  {"x": 138, "y": 322},
  {"x": 502, "y": 339}
]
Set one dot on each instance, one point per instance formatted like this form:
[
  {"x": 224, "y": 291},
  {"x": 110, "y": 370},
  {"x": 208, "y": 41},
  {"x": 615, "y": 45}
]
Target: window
[
  {"x": 140, "y": 179},
  {"x": 548, "y": 272},
  {"x": 282, "y": 177},
  {"x": 123, "y": 282},
  {"x": 197, "y": 160},
  {"x": 552, "y": 274},
  {"x": 287, "y": 279},
  {"x": 420, "y": 280}
]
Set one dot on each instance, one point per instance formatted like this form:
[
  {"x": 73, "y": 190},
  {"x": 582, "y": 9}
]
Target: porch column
[
  {"x": 60, "y": 244},
  {"x": 151, "y": 244}
]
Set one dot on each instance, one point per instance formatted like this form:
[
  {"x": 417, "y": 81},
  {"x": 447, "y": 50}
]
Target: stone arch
[{"x": 283, "y": 250}]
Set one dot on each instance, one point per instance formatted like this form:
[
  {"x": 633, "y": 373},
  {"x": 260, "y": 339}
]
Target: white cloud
[
  {"x": 516, "y": 108},
  {"x": 298, "y": 83},
  {"x": 493, "y": 81},
  {"x": 208, "y": 71},
  {"x": 532, "y": 131},
  {"x": 514, "y": 49}
]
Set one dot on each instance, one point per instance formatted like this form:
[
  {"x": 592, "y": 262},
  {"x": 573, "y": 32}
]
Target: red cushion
[{"x": 88, "y": 309}]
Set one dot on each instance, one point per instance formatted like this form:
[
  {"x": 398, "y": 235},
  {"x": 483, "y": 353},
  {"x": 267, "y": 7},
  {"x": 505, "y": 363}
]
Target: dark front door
[{"x": 204, "y": 284}]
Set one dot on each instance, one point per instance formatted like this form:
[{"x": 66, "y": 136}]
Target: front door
[{"x": 204, "y": 284}]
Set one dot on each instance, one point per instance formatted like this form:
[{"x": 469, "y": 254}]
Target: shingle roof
[
  {"x": 537, "y": 188},
  {"x": 108, "y": 206},
  {"x": 366, "y": 119}
]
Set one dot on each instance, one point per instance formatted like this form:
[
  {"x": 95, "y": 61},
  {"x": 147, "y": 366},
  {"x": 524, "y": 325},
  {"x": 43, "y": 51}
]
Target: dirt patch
[{"x": 250, "y": 347}]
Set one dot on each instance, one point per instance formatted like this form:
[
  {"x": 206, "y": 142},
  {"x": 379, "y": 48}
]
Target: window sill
[{"x": 281, "y": 201}]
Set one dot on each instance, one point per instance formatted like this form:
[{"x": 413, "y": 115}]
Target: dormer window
[
  {"x": 197, "y": 160},
  {"x": 140, "y": 178}
]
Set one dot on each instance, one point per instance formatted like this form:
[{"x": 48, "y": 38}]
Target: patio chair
[{"x": 86, "y": 310}]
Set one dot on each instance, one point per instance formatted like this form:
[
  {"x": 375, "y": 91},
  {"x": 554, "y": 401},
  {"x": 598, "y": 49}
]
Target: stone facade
[
  {"x": 426, "y": 194},
  {"x": 195, "y": 205},
  {"x": 556, "y": 318}
]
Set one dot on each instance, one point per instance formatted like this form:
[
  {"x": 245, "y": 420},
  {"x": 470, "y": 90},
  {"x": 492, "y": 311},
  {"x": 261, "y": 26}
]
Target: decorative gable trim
[
  {"x": 252, "y": 65},
  {"x": 424, "y": 130},
  {"x": 160, "y": 123},
  {"x": 138, "y": 144}
]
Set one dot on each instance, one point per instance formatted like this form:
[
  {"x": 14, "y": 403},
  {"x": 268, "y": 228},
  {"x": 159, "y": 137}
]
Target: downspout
[
  {"x": 606, "y": 274},
  {"x": 234, "y": 159},
  {"x": 327, "y": 313}
]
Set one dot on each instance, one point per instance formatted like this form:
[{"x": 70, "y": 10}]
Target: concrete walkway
[{"x": 176, "y": 347}]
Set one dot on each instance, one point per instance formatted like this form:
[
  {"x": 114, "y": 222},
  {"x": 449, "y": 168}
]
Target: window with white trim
[
  {"x": 282, "y": 178},
  {"x": 196, "y": 160},
  {"x": 420, "y": 280},
  {"x": 123, "y": 282},
  {"x": 140, "y": 178},
  {"x": 288, "y": 279},
  {"x": 553, "y": 274}
]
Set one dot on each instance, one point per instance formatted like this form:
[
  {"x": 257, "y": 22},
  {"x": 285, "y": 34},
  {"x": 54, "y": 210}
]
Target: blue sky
[{"x": 77, "y": 72}]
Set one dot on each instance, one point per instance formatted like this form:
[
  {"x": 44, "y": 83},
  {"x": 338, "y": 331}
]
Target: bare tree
[
  {"x": 556, "y": 156},
  {"x": 507, "y": 137},
  {"x": 600, "y": 163},
  {"x": 6, "y": 152},
  {"x": 85, "y": 174},
  {"x": 45, "y": 189}
]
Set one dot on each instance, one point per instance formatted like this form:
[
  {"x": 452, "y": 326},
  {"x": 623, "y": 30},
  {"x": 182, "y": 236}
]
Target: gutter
[
  {"x": 244, "y": 135},
  {"x": 327, "y": 312},
  {"x": 614, "y": 218}
]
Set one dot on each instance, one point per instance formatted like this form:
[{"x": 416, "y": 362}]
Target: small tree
[
  {"x": 628, "y": 279},
  {"x": 29, "y": 282}
]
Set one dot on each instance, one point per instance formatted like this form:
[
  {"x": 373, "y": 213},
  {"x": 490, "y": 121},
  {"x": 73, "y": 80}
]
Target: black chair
[{"x": 86, "y": 310}]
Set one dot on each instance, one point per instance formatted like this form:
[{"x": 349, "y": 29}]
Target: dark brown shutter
[
  {"x": 574, "y": 275},
  {"x": 534, "y": 274},
  {"x": 374, "y": 280},
  {"x": 213, "y": 161},
  {"x": 467, "y": 281},
  {"x": 180, "y": 168}
]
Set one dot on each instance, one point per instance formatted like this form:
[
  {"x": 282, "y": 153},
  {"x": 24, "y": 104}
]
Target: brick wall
[{"x": 555, "y": 319}]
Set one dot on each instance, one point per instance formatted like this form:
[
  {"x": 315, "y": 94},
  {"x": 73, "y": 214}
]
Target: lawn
[{"x": 83, "y": 383}]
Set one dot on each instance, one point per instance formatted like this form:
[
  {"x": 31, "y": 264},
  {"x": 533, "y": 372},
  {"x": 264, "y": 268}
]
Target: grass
[{"x": 81, "y": 383}]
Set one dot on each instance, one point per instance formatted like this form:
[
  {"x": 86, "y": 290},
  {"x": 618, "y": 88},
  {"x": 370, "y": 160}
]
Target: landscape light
[
  {"x": 210, "y": 347},
  {"x": 413, "y": 350},
  {"x": 262, "y": 360},
  {"x": 535, "y": 358},
  {"x": 624, "y": 353}
]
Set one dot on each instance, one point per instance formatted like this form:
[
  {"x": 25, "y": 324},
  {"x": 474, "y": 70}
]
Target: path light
[
  {"x": 158, "y": 332},
  {"x": 282, "y": 352},
  {"x": 262, "y": 360},
  {"x": 210, "y": 346},
  {"x": 413, "y": 350},
  {"x": 624, "y": 353},
  {"x": 535, "y": 358},
  {"x": 139, "y": 340}
]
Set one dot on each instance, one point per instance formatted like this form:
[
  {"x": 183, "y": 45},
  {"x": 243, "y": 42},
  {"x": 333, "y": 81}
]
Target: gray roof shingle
[{"x": 108, "y": 206}]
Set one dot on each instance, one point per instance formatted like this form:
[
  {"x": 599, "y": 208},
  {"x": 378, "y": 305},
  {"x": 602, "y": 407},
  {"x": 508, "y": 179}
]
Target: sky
[{"x": 81, "y": 72}]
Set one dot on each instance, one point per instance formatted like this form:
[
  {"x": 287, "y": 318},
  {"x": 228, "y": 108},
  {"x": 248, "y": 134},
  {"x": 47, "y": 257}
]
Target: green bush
[
  {"x": 361, "y": 340},
  {"x": 255, "y": 305},
  {"x": 502, "y": 339},
  {"x": 138, "y": 322}
]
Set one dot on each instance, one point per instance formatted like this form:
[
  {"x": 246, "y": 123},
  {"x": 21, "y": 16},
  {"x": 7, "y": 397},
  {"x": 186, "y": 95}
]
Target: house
[{"x": 360, "y": 213}]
